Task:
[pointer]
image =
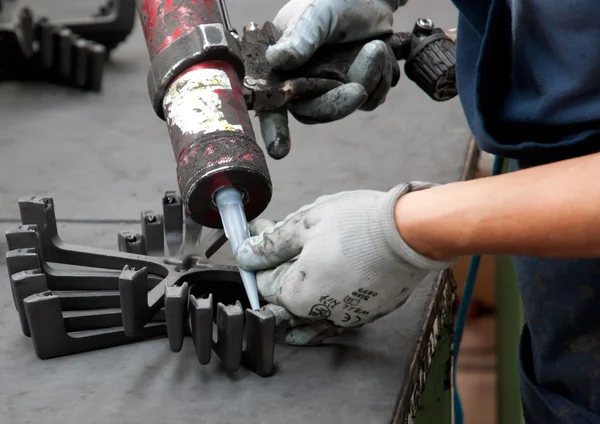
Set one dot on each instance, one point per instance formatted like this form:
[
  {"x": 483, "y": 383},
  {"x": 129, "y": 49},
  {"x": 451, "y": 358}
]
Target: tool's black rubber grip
[{"x": 432, "y": 68}]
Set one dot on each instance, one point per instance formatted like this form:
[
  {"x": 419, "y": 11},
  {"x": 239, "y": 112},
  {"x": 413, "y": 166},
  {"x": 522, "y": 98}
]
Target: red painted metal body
[
  {"x": 164, "y": 21},
  {"x": 232, "y": 105},
  {"x": 206, "y": 115}
]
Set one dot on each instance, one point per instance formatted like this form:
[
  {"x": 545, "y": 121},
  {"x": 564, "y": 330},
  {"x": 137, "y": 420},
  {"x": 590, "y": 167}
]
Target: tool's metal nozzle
[{"x": 231, "y": 208}]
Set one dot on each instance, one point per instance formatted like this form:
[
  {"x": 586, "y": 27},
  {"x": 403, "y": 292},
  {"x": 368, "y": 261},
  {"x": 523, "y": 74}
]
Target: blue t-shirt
[
  {"x": 528, "y": 74},
  {"x": 529, "y": 82}
]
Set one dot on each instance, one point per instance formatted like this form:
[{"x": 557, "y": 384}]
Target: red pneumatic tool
[
  {"x": 204, "y": 79},
  {"x": 195, "y": 86}
]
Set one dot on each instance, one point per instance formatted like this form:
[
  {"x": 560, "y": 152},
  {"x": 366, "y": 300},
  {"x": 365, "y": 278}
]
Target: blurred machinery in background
[{"x": 70, "y": 52}]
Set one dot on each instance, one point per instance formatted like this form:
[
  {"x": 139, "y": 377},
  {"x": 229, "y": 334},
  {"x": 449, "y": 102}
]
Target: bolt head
[
  {"x": 425, "y": 23},
  {"x": 249, "y": 81},
  {"x": 151, "y": 218},
  {"x": 131, "y": 238}
]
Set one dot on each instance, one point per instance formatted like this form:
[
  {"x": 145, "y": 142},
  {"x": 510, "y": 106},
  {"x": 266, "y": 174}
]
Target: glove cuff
[{"x": 392, "y": 236}]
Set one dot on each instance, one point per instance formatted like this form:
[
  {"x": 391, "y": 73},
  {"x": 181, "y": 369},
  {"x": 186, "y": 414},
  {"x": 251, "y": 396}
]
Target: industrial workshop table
[{"x": 105, "y": 157}]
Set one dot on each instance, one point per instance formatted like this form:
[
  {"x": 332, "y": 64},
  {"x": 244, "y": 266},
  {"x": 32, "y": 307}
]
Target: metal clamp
[
  {"x": 206, "y": 42},
  {"x": 130, "y": 296}
]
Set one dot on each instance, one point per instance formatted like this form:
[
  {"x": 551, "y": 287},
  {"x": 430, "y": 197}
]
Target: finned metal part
[
  {"x": 70, "y": 53},
  {"x": 130, "y": 296}
]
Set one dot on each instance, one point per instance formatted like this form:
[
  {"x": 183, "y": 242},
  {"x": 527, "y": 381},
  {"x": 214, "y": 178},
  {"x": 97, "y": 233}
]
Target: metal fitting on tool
[{"x": 195, "y": 86}]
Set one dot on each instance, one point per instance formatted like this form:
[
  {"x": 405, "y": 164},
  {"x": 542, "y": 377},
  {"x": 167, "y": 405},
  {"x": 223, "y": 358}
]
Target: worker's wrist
[
  {"x": 396, "y": 240},
  {"x": 419, "y": 219}
]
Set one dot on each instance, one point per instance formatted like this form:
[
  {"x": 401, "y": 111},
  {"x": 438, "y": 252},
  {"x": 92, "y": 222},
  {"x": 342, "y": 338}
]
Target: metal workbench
[{"x": 105, "y": 157}]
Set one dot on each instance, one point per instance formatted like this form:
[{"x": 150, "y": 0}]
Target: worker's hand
[
  {"x": 309, "y": 24},
  {"x": 337, "y": 263}
]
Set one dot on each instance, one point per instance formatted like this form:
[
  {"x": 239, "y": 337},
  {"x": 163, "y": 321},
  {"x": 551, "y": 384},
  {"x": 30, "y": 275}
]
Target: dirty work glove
[
  {"x": 336, "y": 263},
  {"x": 308, "y": 24}
]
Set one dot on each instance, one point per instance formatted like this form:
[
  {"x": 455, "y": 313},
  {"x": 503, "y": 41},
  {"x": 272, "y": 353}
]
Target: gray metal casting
[
  {"x": 71, "y": 52},
  {"x": 73, "y": 299}
]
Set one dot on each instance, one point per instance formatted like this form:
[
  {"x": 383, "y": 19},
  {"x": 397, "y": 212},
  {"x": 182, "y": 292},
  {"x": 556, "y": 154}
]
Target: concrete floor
[{"x": 107, "y": 156}]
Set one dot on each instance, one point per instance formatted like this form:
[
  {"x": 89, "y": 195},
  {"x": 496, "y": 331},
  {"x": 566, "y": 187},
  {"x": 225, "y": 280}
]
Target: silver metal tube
[{"x": 225, "y": 15}]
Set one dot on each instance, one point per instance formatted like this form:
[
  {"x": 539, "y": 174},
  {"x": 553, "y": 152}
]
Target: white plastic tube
[{"x": 231, "y": 208}]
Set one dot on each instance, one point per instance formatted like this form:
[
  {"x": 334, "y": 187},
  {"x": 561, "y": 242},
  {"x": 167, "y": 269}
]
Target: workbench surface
[{"x": 107, "y": 156}]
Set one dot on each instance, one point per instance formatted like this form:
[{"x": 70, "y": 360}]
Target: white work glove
[
  {"x": 336, "y": 263},
  {"x": 309, "y": 24}
]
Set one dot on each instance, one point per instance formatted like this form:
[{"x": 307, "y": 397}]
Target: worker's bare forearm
[{"x": 547, "y": 211}]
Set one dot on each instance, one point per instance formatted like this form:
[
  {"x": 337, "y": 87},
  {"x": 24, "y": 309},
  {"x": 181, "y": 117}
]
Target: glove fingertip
[
  {"x": 331, "y": 106},
  {"x": 311, "y": 334},
  {"x": 264, "y": 252},
  {"x": 355, "y": 91},
  {"x": 396, "y": 73},
  {"x": 246, "y": 258},
  {"x": 275, "y": 132},
  {"x": 245, "y": 255}
]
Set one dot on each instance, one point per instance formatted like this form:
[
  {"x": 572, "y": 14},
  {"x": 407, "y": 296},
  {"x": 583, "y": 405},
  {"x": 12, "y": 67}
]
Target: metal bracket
[
  {"x": 70, "y": 53},
  {"x": 73, "y": 299}
]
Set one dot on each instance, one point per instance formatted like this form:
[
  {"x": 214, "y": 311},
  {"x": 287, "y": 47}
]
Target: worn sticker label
[{"x": 192, "y": 104}]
